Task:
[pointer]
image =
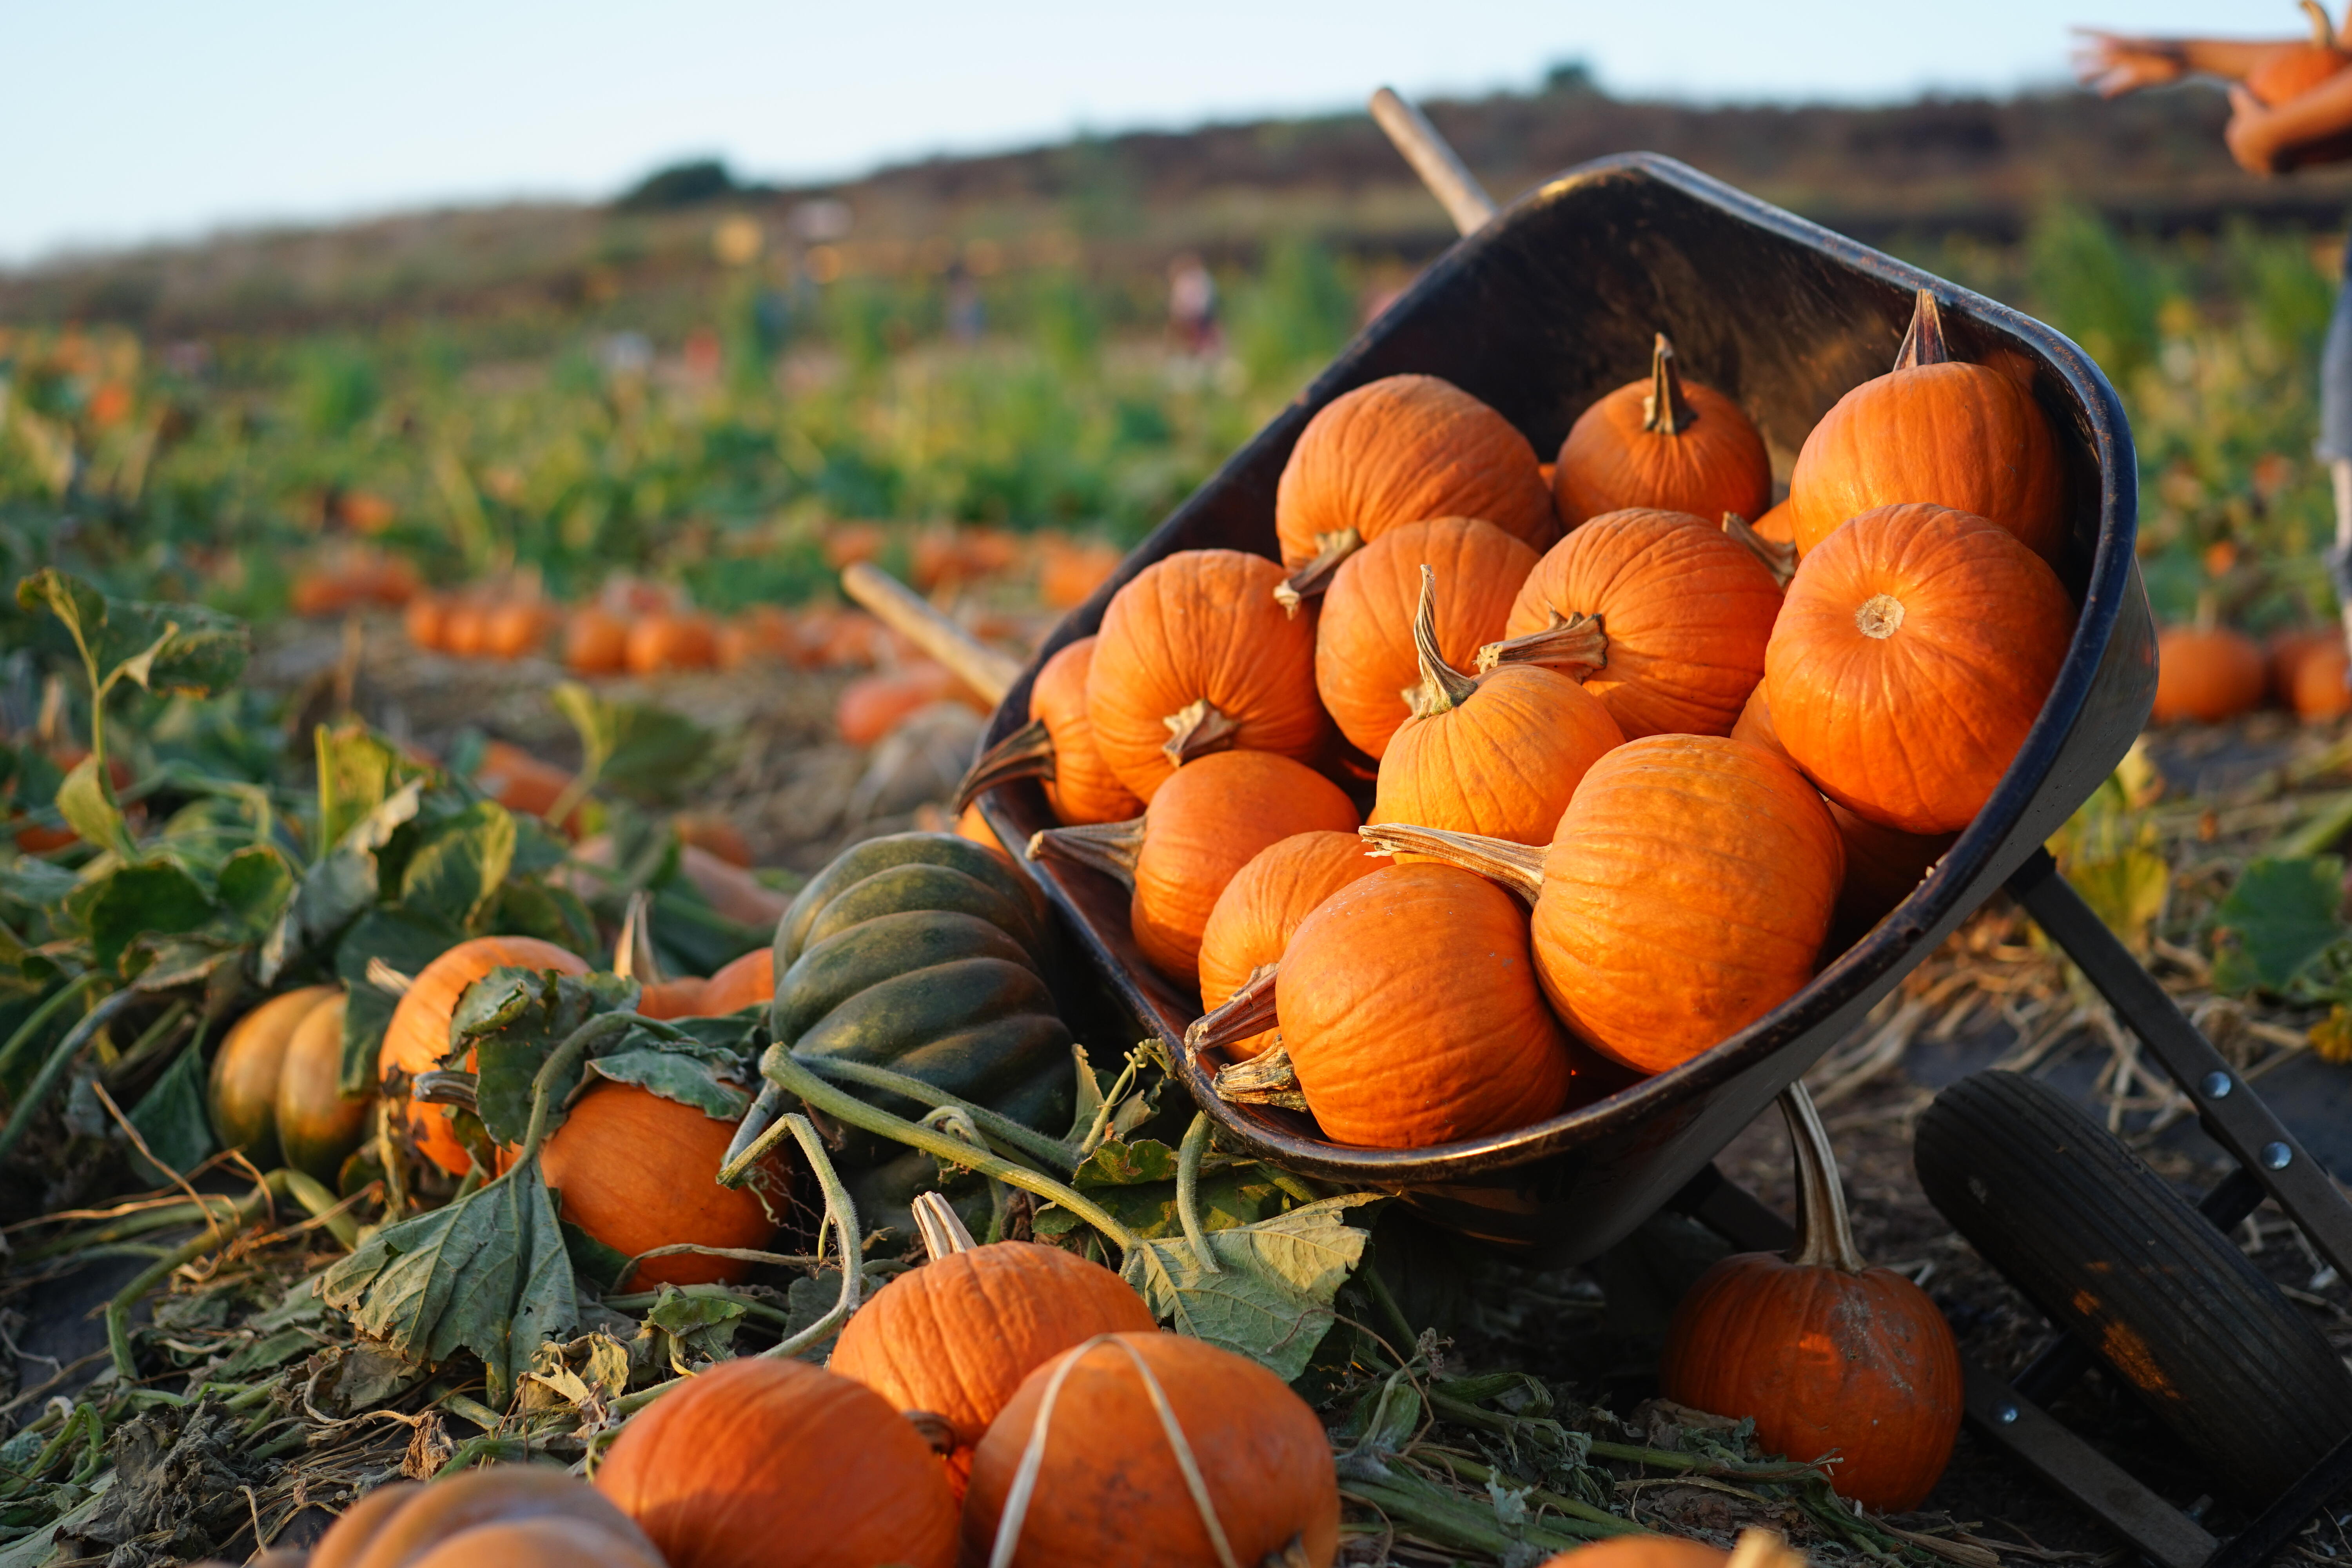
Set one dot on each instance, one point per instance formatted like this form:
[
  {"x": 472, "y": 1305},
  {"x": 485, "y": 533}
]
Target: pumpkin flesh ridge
[
  {"x": 1504, "y": 764},
  {"x": 1252, "y": 919},
  {"x": 1704, "y": 456}
]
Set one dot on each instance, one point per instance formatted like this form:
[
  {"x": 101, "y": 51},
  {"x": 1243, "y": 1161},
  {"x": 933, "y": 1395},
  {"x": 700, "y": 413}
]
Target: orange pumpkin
[
  {"x": 2320, "y": 690},
  {"x": 970, "y": 824},
  {"x": 743, "y": 982},
  {"x": 873, "y": 705},
  {"x": 1057, "y": 746},
  {"x": 1395, "y": 451},
  {"x": 595, "y": 642},
  {"x": 1365, "y": 664},
  {"x": 1251, "y": 923},
  {"x": 1194, "y": 656},
  {"x": 758, "y": 1463},
  {"x": 512, "y": 629},
  {"x": 522, "y": 782},
  {"x": 1966, "y": 436},
  {"x": 423, "y": 620},
  {"x": 1910, "y": 660},
  {"x": 1823, "y": 1352},
  {"x": 1202, "y": 826},
  {"x": 418, "y": 1036},
  {"x": 2210, "y": 674},
  {"x": 1068, "y": 572},
  {"x": 1661, "y": 615},
  {"x": 1499, "y": 755},
  {"x": 1644, "y": 1551},
  {"x": 273, "y": 1090},
  {"x": 1105, "y": 1419},
  {"x": 714, "y": 832},
  {"x": 466, "y": 628},
  {"x": 1410, "y": 1013},
  {"x": 2289, "y": 72},
  {"x": 661, "y": 642},
  {"x": 1778, "y": 526},
  {"x": 2284, "y": 653},
  {"x": 1666, "y": 443},
  {"x": 638, "y": 1172},
  {"x": 674, "y": 998},
  {"x": 494, "y": 1518}
]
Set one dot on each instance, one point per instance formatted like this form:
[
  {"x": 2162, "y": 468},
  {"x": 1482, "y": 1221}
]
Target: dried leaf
[{"x": 1271, "y": 1299}]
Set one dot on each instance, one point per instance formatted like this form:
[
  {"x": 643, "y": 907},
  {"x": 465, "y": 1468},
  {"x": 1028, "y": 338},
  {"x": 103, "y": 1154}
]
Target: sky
[{"x": 125, "y": 121}]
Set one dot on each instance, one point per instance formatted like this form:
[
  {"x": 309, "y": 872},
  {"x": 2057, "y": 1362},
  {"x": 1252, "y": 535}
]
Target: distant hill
[{"x": 1122, "y": 204}]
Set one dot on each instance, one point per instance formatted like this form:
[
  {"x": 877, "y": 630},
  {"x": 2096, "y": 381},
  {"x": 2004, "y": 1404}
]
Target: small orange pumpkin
[
  {"x": 1646, "y": 1551},
  {"x": 873, "y": 705},
  {"x": 1057, "y": 747},
  {"x": 636, "y": 1171},
  {"x": 2320, "y": 690},
  {"x": 512, "y": 628},
  {"x": 423, "y": 620},
  {"x": 503, "y": 1517},
  {"x": 2207, "y": 673},
  {"x": 1666, "y": 443},
  {"x": 595, "y": 642},
  {"x": 275, "y": 1091},
  {"x": 1252, "y": 920},
  {"x": 418, "y": 1036},
  {"x": 660, "y": 642}
]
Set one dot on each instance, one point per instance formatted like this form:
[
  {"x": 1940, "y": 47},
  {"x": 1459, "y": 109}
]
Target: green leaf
[
  {"x": 253, "y": 887},
  {"x": 679, "y": 1076},
  {"x": 551, "y": 913},
  {"x": 457, "y": 868},
  {"x": 408, "y": 941},
  {"x": 687, "y": 1323},
  {"x": 1271, "y": 1299},
  {"x": 358, "y": 772},
  {"x": 512, "y": 1019},
  {"x": 343, "y": 882},
  {"x": 1118, "y": 1165},
  {"x": 1232, "y": 1195},
  {"x": 172, "y": 1119},
  {"x": 647, "y": 752},
  {"x": 81, "y": 607},
  {"x": 2127, "y": 890},
  {"x": 166, "y": 648},
  {"x": 134, "y": 900},
  {"x": 203, "y": 653},
  {"x": 86, "y": 800},
  {"x": 591, "y": 1260},
  {"x": 488, "y": 1273},
  {"x": 2275, "y": 922}
]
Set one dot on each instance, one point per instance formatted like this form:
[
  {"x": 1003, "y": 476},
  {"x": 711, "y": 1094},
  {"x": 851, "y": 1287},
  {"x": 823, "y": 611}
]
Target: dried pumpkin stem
[
  {"x": 1576, "y": 646},
  {"x": 1758, "y": 1548},
  {"x": 1780, "y": 557},
  {"x": 446, "y": 1086},
  {"x": 1824, "y": 1237},
  {"x": 1027, "y": 753},
  {"x": 1518, "y": 867},
  {"x": 1443, "y": 687},
  {"x": 1111, "y": 847},
  {"x": 1198, "y": 730},
  {"x": 633, "y": 953},
  {"x": 1188, "y": 1190},
  {"x": 943, "y": 1234},
  {"x": 387, "y": 979},
  {"x": 1266, "y": 1079},
  {"x": 1666, "y": 410},
  {"x": 1248, "y": 1011},
  {"x": 2323, "y": 31},
  {"x": 1314, "y": 579},
  {"x": 1923, "y": 344}
]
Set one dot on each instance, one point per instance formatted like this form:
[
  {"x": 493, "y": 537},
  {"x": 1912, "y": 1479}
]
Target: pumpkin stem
[
  {"x": 1779, "y": 558},
  {"x": 1576, "y": 646},
  {"x": 1518, "y": 867},
  {"x": 935, "y": 1429},
  {"x": 1196, "y": 732},
  {"x": 387, "y": 979},
  {"x": 1824, "y": 1237},
  {"x": 633, "y": 955},
  {"x": 1443, "y": 687},
  {"x": 1188, "y": 1191},
  {"x": 1310, "y": 581},
  {"x": 943, "y": 1234},
  {"x": 1880, "y": 617},
  {"x": 1111, "y": 848},
  {"x": 1759, "y": 1548},
  {"x": 1248, "y": 1011},
  {"x": 1666, "y": 410},
  {"x": 2207, "y": 616},
  {"x": 1924, "y": 343},
  {"x": 1266, "y": 1079},
  {"x": 1027, "y": 753},
  {"x": 443, "y": 1086},
  {"x": 2323, "y": 31}
]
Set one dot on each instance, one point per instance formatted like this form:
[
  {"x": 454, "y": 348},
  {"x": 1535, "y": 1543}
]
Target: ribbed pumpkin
[
  {"x": 1411, "y": 1015},
  {"x": 418, "y": 1036},
  {"x": 1365, "y": 666},
  {"x": 1399, "y": 450},
  {"x": 2208, "y": 674},
  {"x": 478, "y": 1518},
  {"x": 1661, "y": 615},
  {"x": 1912, "y": 655},
  {"x": 1057, "y": 746},
  {"x": 1195, "y": 656},
  {"x": 1253, "y": 917},
  {"x": 638, "y": 1172},
  {"x": 1933, "y": 429},
  {"x": 1499, "y": 755},
  {"x": 775, "y": 1463},
  {"x": 1200, "y": 828},
  {"x": 1823, "y": 1352},
  {"x": 243, "y": 1091},
  {"x": 957, "y": 1336},
  {"x": 1109, "y": 1486},
  {"x": 1666, "y": 443},
  {"x": 1685, "y": 895}
]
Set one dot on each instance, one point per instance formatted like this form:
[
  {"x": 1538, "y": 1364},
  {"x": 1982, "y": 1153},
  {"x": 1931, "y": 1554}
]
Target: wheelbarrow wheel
[{"x": 2130, "y": 1269}]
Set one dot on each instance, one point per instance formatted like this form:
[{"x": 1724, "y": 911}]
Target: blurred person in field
[
  {"x": 2289, "y": 108},
  {"x": 1193, "y": 307}
]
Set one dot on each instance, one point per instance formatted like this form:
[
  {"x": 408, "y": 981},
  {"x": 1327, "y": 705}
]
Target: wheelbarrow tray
[{"x": 1549, "y": 305}]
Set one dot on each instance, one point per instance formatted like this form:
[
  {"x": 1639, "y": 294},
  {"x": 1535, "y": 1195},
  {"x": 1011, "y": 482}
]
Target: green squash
[{"x": 919, "y": 953}]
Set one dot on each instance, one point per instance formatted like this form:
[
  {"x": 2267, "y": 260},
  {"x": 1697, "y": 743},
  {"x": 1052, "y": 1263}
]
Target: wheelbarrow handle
[
  {"x": 904, "y": 611},
  {"x": 1449, "y": 179}
]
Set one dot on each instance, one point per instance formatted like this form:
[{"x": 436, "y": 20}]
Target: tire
[{"x": 2126, "y": 1265}]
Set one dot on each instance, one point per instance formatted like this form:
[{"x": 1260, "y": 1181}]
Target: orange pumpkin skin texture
[
  {"x": 318, "y": 1126},
  {"x": 1364, "y": 658},
  {"x": 1642, "y": 1551},
  {"x": 1685, "y": 610},
  {"x": 957, "y": 1336},
  {"x": 1503, "y": 764},
  {"x": 406, "y": 1523},
  {"x": 1779, "y": 526},
  {"x": 740, "y": 983},
  {"x": 1401, "y": 450},
  {"x": 243, "y": 1092},
  {"x": 1201, "y": 626},
  {"x": 1662, "y": 442},
  {"x": 1411, "y": 1015},
  {"x": 679, "y": 998},
  {"x": 2320, "y": 692},
  {"x": 1111, "y": 1489},
  {"x": 418, "y": 1036},
  {"x": 2207, "y": 675},
  {"x": 638, "y": 1172},
  {"x": 1911, "y": 657},
  {"x": 775, "y": 1463},
  {"x": 1082, "y": 788},
  {"x": 1684, "y": 896},
  {"x": 1253, "y": 919},
  {"x": 536, "y": 1543}
]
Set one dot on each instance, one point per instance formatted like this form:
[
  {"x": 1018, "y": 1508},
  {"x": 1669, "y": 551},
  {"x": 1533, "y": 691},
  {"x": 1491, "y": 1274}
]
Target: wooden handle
[
  {"x": 904, "y": 611},
  {"x": 1440, "y": 167}
]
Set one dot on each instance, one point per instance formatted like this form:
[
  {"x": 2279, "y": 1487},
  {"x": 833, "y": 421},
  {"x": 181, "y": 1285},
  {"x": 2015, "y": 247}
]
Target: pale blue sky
[{"x": 136, "y": 120}]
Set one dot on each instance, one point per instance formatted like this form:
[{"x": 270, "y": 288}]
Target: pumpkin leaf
[
  {"x": 512, "y": 1019},
  {"x": 343, "y": 882},
  {"x": 677, "y": 1075},
  {"x": 86, "y": 800},
  {"x": 359, "y": 771},
  {"x": 2127, "y": 890},
  {"x": 2278, "y": 919},
  {"x": 459, "y": 866},
  {"x": 406, "y": 940},
  {"x": 591, "y": 1260},
  {"x": 488, "y": 1273},
  {"x": 170, "y": 1118},
  {"x": 1271, "y": 1297},
  {"x": 1230, "y": 1195},
  {"x": 1120, "y": 1164},
  {"x": 156, "y": 897},
  {"x": 684, "y": 1325}
]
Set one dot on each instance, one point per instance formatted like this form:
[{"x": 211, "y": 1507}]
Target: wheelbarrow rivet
[
  {"x": 2005, "y": 1414},
  {"x": 2217, "y": 1086},
  {"x": 2277, "y": 1156}
]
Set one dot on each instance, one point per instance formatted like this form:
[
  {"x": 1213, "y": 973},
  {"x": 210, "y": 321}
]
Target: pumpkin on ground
[
  {"x": 1933, "y": 429},
  {"x": 1366, "y": 668},
  {"x": 494, "y": 1518},
  {"x": 758, "y": 1463},
  {"x": 1195, "y": 656},
  {"x": 1823, "y": 1352},
  {"x": 636, "y": 1170},
  {"x": 1201, "y": 828},
  {"x": 1411, "y": 1015},
  {"x": 1252, "y": 920},
  {"x": 1912, "y": 656},
  {"x": 1399, "y": 450},
  {"x": 2320, "y": 684},
  {"x": 1660, "y": 613},
  {"x": 872, "y": 706},
  {"x": 1057, "y": 748},
  {"x": 2207, "y": 673},
  {"x": 418, "y": 1036},
  {"x": 595, "y": 642},
  {"x": 1499, "y": 755},
  {"x": 1106, "y": 1419},
  {"x": 663, "y": 641},
  {"x": 1666, "y": 443},
  {"x": 275, "y": 1091}
]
